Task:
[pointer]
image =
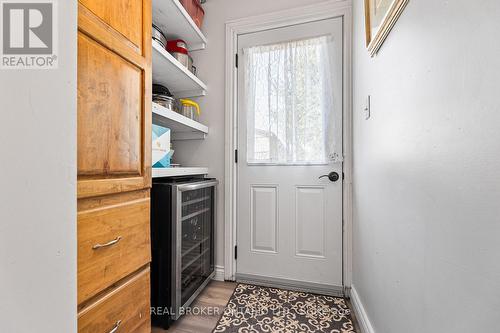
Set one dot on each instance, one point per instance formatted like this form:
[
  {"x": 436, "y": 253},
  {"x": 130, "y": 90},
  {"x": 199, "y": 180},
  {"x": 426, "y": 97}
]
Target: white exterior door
[{"x": 289, "y": 221}]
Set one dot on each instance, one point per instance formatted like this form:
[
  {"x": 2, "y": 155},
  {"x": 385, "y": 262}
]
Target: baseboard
[
  {"x": 359, "y": 310},
  {"x": 310, "y": 287},
  {"x": 219, "y": 273}
]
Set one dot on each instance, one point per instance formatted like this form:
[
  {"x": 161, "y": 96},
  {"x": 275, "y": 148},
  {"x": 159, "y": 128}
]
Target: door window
[{"x": 289, "y": 102}]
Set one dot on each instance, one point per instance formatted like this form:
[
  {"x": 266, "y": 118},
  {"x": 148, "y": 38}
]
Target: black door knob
[{"x": 333, "y": 176}]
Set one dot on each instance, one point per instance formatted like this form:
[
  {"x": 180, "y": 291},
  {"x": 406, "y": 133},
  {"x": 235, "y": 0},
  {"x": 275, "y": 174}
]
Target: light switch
[{"x": 368, "y": 109}]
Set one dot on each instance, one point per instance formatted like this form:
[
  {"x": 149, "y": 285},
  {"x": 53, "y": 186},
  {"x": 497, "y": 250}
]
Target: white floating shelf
[
  {"x": 176, "y": 172},
  {"x": 171, "y": 17},
  {"x": 178, "y": 79},
  {"x": 182, "y": 127}
]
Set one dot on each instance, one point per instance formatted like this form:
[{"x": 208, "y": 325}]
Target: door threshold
[{"x": 272, "y": 282}]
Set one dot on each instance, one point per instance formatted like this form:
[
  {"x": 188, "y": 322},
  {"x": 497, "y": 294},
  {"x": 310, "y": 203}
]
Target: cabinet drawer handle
[
  {"x": 117, "y": 326},
  {"x": 111, "y": 243}
]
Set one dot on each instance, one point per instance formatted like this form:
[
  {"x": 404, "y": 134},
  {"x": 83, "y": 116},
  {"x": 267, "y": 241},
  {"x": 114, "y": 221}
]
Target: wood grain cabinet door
[
  {"x": 114, "y": 96},
  {"x": 125, "y": 17}
]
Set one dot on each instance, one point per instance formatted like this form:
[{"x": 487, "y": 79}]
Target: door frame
[{"x": 326, "y": 10}]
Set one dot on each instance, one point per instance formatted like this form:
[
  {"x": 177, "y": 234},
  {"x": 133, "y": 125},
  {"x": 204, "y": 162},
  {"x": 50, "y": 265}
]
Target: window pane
[{"x": 289, "y": 101}]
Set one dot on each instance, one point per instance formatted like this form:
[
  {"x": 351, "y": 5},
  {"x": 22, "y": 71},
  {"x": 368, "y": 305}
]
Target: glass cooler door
[{"x": 197, "y": 215}]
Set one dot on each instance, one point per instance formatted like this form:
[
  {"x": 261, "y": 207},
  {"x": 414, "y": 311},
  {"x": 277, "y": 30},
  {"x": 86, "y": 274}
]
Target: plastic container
[{"x": 194, "y": 9}]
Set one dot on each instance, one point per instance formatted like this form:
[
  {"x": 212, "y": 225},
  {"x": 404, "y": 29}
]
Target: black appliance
[{"x": 183, "y": 214}]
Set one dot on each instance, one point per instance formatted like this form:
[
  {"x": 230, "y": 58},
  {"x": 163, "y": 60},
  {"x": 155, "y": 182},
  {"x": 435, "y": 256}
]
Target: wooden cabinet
[
  {"x": 109, "y": 103},
  {"x": 125, "y": 306},
  {"x": 126, "y": 17},
  {"x": 114, "y": 165},
  {"x": 114, "y": 97},
  {"x": 113, "y": 241}
]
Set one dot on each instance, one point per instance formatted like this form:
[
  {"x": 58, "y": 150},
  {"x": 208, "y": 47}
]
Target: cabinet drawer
[
  {"x": 113, "y": 241},
  {"x": 127, "y": 306}
]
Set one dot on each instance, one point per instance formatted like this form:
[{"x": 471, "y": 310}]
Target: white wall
[
  {"x": 38, "y": 191},
  {"x": 427, "y": 185},
  {"x": 211, "y": 69}
]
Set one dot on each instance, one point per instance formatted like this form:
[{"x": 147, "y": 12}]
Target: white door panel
[
  {"x": 310, "y": 221},
  {"x": 289, "y": 222},
  {"x": 264, "y": 218}
]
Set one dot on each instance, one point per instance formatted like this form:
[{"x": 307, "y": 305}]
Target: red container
[
  {"x": 177, "y": 46},
  {"x": 194, "y": 9},
  {"x": 190, "y": 6},
  {"x": 178, "y": 49},
  {"x": 200, "y": 14}
]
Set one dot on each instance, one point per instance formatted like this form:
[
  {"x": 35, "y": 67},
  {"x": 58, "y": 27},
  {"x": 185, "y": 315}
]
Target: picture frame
[{"x": 380, "y": 18}]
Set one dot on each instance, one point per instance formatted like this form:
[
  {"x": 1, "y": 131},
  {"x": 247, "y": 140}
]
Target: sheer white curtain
[{"x": 289, "y": 102}]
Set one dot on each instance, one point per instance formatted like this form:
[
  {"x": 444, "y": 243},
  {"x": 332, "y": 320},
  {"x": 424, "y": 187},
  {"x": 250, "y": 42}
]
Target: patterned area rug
[{"x": 254, "y": 309}]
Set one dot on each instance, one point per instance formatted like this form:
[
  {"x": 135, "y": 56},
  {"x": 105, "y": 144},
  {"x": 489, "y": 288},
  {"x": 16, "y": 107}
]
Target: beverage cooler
[{"x": 183, "y": 213}]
